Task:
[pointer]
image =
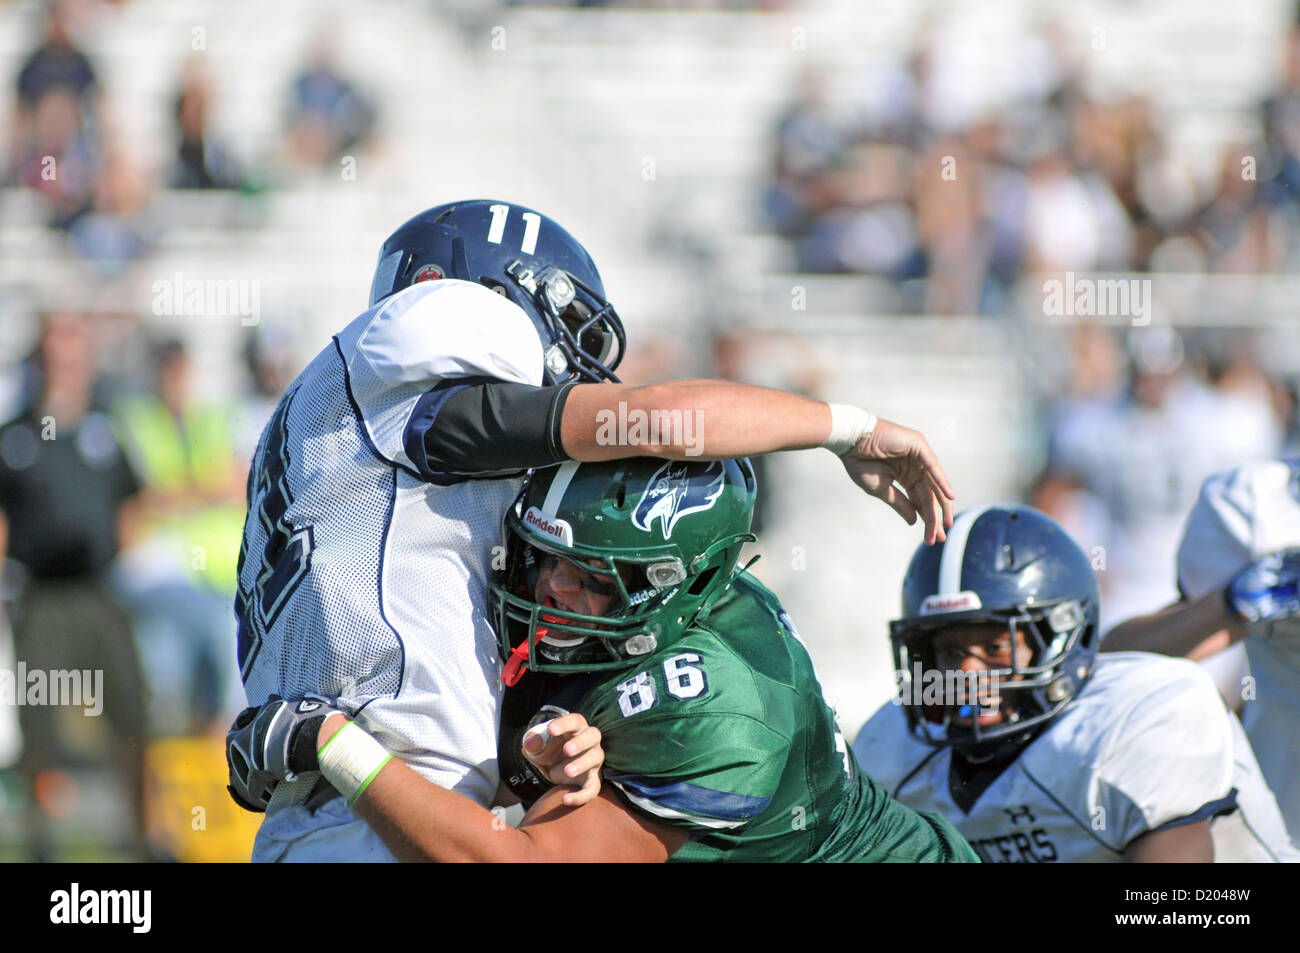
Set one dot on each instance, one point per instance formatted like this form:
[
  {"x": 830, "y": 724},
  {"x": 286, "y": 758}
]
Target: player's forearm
[
  {"x": 1180, "y": 629},
  {"x": 699, "y": 419},
  {"x": 1186, "y": 844},
  {"x": 421, "y": 821}
]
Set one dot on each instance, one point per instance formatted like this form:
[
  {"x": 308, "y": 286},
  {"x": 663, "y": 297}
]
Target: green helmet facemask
[{"x": 660, "y": 538}]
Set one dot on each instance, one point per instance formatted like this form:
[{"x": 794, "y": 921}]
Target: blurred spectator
[
  {"x": 112, "y": 234},
  {"x": 1052, "y": 179},
  {"x": 1235, "y": 225},
  {"x": 807, "y": 140},
  {"x": 1073, "y": 221},
  {"x": 1003, "y": 193},
  {"x": 201, "y": 162},
  {"x": 1080, "y": 417},
  {"x": 1281, "y": 116},
  {"x": 272, "y": 364},
  {"x": 1133, "y": 456},
  {"x": 65, "y": 492},
  {"x": 57, "y": 64},
  {"x": 1062, "y": 497},
  {"x": 872, "y": 228},
  {"x": 899, "y": 114},
  {"x": 54, "y": 145},
  {"x": 329, "y": 115},
  {"x": 179, "y": 576},
  {"x": 1113, "y": 140},
  {"x": 1143, "y": 454},
  {"x": 1237, "y": 405},
  {"x": 59, "y": 158},
  {"x": 956, "y": 247}
]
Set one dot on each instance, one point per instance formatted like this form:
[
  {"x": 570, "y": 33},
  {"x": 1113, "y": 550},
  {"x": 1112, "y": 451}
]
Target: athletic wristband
[
  {"x": 848, "y": 424},
  {"x": 1230, "y": 604},
  {"x": 351, "y": 759}
]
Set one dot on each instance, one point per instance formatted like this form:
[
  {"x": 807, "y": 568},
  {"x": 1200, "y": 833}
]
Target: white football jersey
[
  {"x": 364, "y": 582},
  {"x": 1272, "y": 715},
  {"x": 1147, "y": 742},
  {"x": 1241, "y": 515}
]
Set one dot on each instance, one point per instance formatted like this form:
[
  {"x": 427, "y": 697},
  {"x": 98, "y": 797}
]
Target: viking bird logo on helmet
[{"x": 671, "y": 494}]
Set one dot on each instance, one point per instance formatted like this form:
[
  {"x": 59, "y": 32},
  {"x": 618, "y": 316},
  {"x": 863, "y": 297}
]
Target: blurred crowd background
[{"x": 856, "y": 201}]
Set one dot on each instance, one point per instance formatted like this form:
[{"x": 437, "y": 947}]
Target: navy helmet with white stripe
[
  {"x": 1015, "y": 567},
  {"x": 526, "y": 257}
]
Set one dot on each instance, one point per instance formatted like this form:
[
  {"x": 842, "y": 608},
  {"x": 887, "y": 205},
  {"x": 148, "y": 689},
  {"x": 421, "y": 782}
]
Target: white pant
[{"x": 293, "y": 833}]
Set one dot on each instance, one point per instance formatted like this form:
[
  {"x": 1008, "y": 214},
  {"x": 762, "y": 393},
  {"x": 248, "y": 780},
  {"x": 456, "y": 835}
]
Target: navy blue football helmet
[
  {"x": 1017, "y": 568},
  {"x": 526, "y": 257}
]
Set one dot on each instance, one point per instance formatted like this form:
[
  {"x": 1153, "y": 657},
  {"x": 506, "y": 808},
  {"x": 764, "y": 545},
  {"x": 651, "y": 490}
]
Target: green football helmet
[{"x": 661, "y": 537}]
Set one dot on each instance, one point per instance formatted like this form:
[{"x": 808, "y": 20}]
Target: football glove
[
  {"x": 1268, "y": 589},
  {"x": 271, "y": 744}
]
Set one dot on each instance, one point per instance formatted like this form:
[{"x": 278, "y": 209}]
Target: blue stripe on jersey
[
  {"x": 1224, "y": 805},
  {"x": 361, "y": 420},
  {"x": 692, "y": 798},
  {"x": 383, "y": 552}
]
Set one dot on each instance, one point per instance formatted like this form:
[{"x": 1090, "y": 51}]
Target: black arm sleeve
[{"x": 481, "y": 427}]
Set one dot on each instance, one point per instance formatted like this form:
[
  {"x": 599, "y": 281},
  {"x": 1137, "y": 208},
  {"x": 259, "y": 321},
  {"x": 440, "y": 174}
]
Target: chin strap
[{"x": 517, "y": 664}]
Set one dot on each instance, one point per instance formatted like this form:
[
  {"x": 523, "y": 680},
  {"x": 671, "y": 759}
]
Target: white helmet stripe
[
  {"x": 954, "y": 551},
  {"x": 559, "y": 486}
]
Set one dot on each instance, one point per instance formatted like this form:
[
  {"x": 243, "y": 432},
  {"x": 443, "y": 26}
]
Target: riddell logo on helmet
[
  {"x": 558, "y": 530},
  {"x": 951, "y": 602}
]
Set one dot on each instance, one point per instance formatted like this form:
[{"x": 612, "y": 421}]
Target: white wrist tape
[
  {"x": 351, "y": 759},
  {"x": 848, "y": 424}
]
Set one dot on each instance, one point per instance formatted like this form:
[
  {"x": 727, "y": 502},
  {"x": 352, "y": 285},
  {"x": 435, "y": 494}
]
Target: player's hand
[
  {"x": 271, "y": 744},
  {"x": 1268, "y": 589},
  {"x": 566, "y": 751},
  {"x": 892, "y": 454}
]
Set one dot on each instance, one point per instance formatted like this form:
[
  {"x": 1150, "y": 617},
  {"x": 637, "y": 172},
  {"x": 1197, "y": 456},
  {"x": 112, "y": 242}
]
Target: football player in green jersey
[{"x": 622, "y": 602}]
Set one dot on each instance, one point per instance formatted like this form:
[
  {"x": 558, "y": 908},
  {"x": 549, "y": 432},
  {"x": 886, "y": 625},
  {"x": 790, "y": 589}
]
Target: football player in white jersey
[
  {"x": 1011, "y": 726},
  {"x": 1239, "y": 578},
  {"x": 377, "y": 490},
  {"x": 623, "y": 599}
]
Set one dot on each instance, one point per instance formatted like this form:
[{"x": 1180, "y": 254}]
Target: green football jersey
[{"x": 726, "y": 733}]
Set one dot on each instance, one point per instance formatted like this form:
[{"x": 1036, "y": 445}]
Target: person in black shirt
[
  {"x": 56, "y": 63},
  {"x": 65, "y": 487}
]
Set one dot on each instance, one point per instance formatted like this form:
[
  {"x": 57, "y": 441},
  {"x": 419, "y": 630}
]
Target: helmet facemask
[
  {"x": 659, "y": 541},
  {"x": 948, "y": 705},
  {"x": 565, "y": 641},
  {"x": 587, "y": 334}
]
